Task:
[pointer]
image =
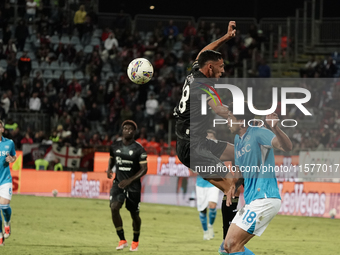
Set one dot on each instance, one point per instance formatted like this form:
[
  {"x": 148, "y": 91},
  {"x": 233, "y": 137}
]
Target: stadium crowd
[{"x": 75, "y": 71}]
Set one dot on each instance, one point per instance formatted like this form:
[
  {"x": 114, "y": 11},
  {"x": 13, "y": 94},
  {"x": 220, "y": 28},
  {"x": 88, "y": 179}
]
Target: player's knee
[{"x": 115, "y": 208}]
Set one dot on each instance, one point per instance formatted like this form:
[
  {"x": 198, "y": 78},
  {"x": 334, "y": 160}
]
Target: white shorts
[
  {"x": 6, "y": 191},
  {"x": 255, "y": 217},
  {"x": 206, "y": 195}
]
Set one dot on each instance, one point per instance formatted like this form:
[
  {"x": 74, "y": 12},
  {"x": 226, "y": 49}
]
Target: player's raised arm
[
  {"x": 216, "y": 44},
  {"x": 281, "y": 141},
  {"x": 220, "y": 110}
]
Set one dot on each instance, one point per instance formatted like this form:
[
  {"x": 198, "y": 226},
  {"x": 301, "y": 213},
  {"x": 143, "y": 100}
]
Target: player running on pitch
[
  {"x": 254, "y": 155},
  {"x": 193, "y": 149},
  {"x": 7, "y": 155},
  {"x": 130, "y": 160}
]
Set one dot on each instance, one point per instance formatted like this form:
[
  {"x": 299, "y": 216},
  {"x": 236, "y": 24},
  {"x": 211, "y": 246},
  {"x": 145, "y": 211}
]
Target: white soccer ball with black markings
[{"x": 140, "y": 71}]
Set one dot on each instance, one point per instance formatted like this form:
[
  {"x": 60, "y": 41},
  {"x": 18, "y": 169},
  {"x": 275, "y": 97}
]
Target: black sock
[
  {"x": 135, "y": 236},
  {"x": 120, "y": 233}
]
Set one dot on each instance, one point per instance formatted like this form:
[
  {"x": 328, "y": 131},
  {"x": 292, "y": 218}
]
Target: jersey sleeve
[
  {"x": 265, "y": 137},
  {"x": 142, "y": 156},
  {"x": 12, "y": 151}
]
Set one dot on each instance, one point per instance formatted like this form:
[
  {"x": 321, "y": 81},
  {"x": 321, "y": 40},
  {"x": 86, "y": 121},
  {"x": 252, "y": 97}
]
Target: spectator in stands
[
  {"x": 31, "y": 9},
  {"x": 309, "y": 69},
  {"x": 6, "y": 35},
  {"x": 34, "y": 102},
  {"x": 264, "y": 69},
  {"x": 59, "y": 51},
  {"x": 21, "y": 34},
  {"x": 329, "y": 69},
  {"x": 57, "y": 165},
  {"x": 79, "y": 19},
  {"x": 11, "y": 66},
  {"x": 95, "y": 140},
  {"x": 73, "y": 88},
  {"x": 39, "y": 136},
  {"x": 38, "y": 78},
  {"x": 106, "y": 32},
  {"x": 27, "y": 139},
  {"x": 112, "y": 121},
  {"x": 6, "y": 82},
  {"x": 142, "y": 140},
  {"x": 126, "y": 113},
  {"x": 11, "y": 125},
  {"x": 94, "y": 65},
  {"x": 87, "y": 31},
  {"x": 153, "y": 147},
  {"x": 151, "y": 107},
  {"x": 5, "y": 103},
  {"x": 43, "y": 24},
  {"x": 77, "y": 103},
  {"x": 25, "y": 65},
  {"x": 106, "y": 141},
  {"x": 110, "y": 45},
  {"x": 69, "y": 53},
  {"x": 39, "y": 89},
  {"x": 158, "y": 62},
  {"x": 189, "y": 30},
  {"x": 51, "y": 91},
  {"x": 10, "y": 48},
  {"x": 163, "y": 147},
  {"x": 94, "y": 116}
]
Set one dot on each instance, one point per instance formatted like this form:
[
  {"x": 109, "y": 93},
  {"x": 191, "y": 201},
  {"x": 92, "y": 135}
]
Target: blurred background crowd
[{"x": 62, "y": 63}]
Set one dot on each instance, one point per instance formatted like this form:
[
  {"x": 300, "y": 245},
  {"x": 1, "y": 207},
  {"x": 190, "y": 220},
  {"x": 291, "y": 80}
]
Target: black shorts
[
  {"x": 198, "y": 155},
  {"x": 120, "y": 195}
]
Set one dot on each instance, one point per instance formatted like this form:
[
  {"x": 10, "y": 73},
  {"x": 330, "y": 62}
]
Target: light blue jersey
[
  {"x": 255, "y": 157},
  {"x": 200, "y": 182},
  {"x": 6, "y": 148}
]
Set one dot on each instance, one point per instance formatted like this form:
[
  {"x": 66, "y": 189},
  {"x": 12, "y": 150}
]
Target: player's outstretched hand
[
  {"x": 230, "y": 194},
  {"x": 231, "y": 29},
  {"x": 124, "y": 183},
  {"x": 109, "y": 174}
]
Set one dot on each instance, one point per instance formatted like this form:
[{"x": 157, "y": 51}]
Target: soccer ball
[{"x": 140, "y": 71}]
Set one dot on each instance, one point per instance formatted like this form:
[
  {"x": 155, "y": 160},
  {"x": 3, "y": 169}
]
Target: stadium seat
[
  {"x": 68, "y": 75},
  {"x": 44, "y": 66},
  {"x": 34, "y": 73},
  {"x": 88, "y": 49},
  {"x": 97, "y": 33},
  {"x": 31, "y": 55},
  {"x": 106, "y": 68},
  {"x": 35, "y": 65},
  {"x": 65, "y": 66},
  {"x": 48, "y": 74},
  {"x": 95, "y": 41},
  {"x": 75, "y": 40},
  {"x": 56, "y": 74},
  {"x": 79, "y": 75},
  {"x": 78, "y": 47},
  {"x": 19, "y": 54},
  {"x": 73, "y": 67},
  {"x": 54, "y": 66},
  {"x": 3, "y": 63},
  {"x": 65, "y": 39},
  {"x": 54, "y": 39}
]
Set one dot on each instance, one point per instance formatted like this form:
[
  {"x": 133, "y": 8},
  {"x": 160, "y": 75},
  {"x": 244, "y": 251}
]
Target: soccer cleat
[
  {"x": 122, "y": 244},
  {"x": 211, "y": 232},
  {"x": 7, "y": 230},
  {"x": 134, "y": 246},
  {"x": 2, "y": 240},
  {"x": 206, "y": 235}
]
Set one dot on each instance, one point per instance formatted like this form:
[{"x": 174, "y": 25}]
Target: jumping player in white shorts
[
  {"x": 253, "y": 154},
  {"x": 7, "y": 155}
]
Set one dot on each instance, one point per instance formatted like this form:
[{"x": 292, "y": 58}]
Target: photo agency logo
[{"x": 238, "y": 100}]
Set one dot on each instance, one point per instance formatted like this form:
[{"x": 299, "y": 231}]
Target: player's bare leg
[
  {"x": 6, "y": 211},
  {"x": 236, "y": 239},
  {"x": 118, "y": 223},
  {"x": 136, "y": 223}
]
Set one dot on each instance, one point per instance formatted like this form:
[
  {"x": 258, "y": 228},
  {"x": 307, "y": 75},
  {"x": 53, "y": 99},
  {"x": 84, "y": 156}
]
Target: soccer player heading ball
[{"x": 130, "y": 160}]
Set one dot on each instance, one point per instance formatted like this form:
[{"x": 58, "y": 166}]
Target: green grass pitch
[{"x": 48, "y": 225}]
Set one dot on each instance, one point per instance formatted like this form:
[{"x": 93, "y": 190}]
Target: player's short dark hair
[
  {"x": 208, "y": 55},
  {"x": 210, "y": 131},
  {"x": 248, "y": 115},
  {"x": 130, "y": 122}
]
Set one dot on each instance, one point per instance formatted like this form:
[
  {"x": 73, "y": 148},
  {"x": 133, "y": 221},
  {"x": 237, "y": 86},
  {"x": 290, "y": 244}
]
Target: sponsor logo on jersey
[
  {"x": 243, "y": 150},
  {"x": 118, "y": 151},
  {"x": 130, "y": 152}
]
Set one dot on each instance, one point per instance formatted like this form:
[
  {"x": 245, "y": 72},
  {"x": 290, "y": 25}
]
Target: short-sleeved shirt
[
  {"x": 200, "y": 182},
  {"x": 6, "y": 148},
  {"x": 254, "y": 156},
  {"x": 127, "y": 161}
]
